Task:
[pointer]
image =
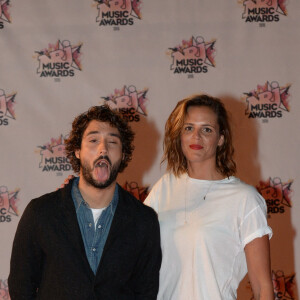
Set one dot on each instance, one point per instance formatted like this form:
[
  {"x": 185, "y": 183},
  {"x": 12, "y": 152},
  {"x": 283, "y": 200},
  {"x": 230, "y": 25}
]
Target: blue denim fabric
[{"x": 94, "y": 239}]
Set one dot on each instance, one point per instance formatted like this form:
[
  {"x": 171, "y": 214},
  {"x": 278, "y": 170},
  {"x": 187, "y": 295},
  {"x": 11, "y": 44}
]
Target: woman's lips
[{"x": 196, "y": 147}]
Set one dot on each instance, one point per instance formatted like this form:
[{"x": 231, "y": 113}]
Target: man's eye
[{"x": 93, "y": 141}]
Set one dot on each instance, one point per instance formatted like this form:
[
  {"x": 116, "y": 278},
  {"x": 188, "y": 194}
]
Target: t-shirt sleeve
[{"x": 254, "y": 223}]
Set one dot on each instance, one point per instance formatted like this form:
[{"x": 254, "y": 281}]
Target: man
[{"x": 91, "y": 239}]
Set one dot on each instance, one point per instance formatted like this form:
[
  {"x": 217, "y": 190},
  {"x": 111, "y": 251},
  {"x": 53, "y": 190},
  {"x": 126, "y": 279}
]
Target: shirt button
[
  {"x": 94, "y": 249},
  {"x": 90, "y": 224},
  {"x": 99, "y": 226}
]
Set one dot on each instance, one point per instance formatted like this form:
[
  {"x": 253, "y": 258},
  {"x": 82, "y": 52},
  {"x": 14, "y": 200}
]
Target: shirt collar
[{"x": 79, "y": 201}]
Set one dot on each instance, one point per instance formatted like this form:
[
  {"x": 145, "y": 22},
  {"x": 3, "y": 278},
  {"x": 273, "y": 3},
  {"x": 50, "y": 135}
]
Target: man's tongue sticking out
[{"x": 102, "y": 171}]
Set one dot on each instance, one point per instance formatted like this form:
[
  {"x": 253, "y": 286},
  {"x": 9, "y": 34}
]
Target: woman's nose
[{"x": 197, "y": 134}]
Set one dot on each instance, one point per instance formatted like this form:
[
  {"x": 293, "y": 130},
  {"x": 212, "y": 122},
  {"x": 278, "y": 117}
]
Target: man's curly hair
[{"x": 103, "y": 114}]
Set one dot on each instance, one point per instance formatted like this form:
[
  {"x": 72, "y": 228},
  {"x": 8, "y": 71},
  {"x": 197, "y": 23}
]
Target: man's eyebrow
[
  {"x": 92, "y": 132},
  {"x": 116, "y": 135},
  {"x": 98, "y": 132}
]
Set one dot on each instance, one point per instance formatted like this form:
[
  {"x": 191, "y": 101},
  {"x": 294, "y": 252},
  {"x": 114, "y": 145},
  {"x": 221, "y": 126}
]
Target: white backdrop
[{"x": 58, "y": 58}]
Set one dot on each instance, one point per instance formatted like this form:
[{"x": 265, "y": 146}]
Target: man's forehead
[{"x": 96, "y": 126}]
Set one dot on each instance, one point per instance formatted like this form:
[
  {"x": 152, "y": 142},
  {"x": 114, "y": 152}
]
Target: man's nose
[{"x": 102, "y": 148}]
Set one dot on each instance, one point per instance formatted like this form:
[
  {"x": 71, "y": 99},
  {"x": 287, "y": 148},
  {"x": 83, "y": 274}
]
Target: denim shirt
[{"x": 94, "y": 238}]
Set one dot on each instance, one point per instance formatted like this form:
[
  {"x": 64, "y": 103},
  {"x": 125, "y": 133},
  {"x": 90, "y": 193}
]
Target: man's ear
[{"x": 77, "y": 153}]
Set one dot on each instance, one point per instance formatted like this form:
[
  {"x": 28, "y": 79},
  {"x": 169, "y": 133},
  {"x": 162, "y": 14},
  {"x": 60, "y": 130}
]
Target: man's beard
[{"x": 86, "y": 172}]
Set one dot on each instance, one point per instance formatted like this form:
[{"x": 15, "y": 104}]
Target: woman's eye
[
  {"x": 93, "y": 141},
  {"x": 188, "y": 128},
  {"x": 207, "y": 130}
]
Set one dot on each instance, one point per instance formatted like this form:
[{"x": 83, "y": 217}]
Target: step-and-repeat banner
[{"x": 58, "y": 58}]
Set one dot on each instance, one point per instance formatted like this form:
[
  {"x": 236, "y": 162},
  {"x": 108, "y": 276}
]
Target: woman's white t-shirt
[{"x": 203, "y": 240}]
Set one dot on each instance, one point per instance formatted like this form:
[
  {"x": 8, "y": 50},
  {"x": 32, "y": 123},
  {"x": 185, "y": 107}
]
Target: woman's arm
[{"x": 259, "y": 268}]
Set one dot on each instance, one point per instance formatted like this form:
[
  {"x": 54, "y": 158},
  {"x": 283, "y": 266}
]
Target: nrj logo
[
  {"x": 283, "y": 286},
  {"x": 7, "y": 108},
  {"x": 268, "y": 101},
  {"x": 53, "y": 156},
  {"x": 130, "y": 102},
  {"x": 118, "y": 12},
  {"x": 4, "y": 12},
  {"x": 193, "y": 56},
  {"x": 277, "y": 194},
  {"x": 59, "y": 60},
  {"x": 264, "y": 10},
  {"x": 4, "y": 295},
  {"x": 8, "y": 204},
  {"x": 139, "y": 193}
]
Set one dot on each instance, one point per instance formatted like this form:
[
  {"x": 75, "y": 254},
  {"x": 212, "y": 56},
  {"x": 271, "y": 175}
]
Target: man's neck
[{"x": 96, "y": 197}]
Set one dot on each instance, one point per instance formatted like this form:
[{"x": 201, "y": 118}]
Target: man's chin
[
  {"x": 103, "y": 183},
  {"x": 101, "y": 180}
]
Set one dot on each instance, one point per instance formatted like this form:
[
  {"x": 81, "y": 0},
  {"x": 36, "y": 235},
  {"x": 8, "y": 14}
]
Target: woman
[{"x": 213, "y": 226}]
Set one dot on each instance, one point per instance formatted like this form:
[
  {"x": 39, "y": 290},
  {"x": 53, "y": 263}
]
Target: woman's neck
[{"x": 204, "y": 172}]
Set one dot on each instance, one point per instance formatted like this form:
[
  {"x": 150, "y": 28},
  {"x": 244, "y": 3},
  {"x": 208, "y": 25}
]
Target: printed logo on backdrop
[
  {"x": 53, "y": 157},
  {"x": 7, "y": 108},
  {"x": 133, "y": 188},
  {"x": 8, "y": 204},
  {"x": 262, "y": 11},
  {"x": 129, "y": 101},
  {"x": 268, "y": 101},
  {"x": 118, "y": 12},
  {"x": 284, "y": 286},
  {"x": 61, "y": 59},
  {"x": 4, "y": 13},
  {"x": 4, "y": 295},
  {"x": 277, "y": 195},
  {"x": 192, "y": 56}
]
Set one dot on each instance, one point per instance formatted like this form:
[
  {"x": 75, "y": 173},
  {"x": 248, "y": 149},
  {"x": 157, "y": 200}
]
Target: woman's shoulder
[
  {"x": 241, "y": 186},
  {"x": 161, "y": 190},
  {"x": 248, "y": 194},
  {"x": 168, "y": 179}
]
